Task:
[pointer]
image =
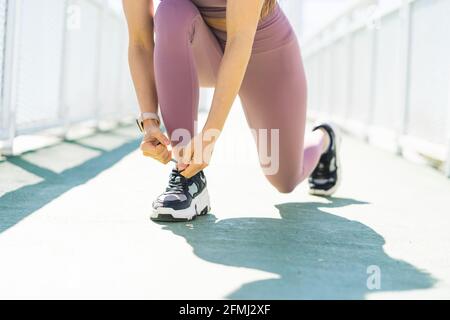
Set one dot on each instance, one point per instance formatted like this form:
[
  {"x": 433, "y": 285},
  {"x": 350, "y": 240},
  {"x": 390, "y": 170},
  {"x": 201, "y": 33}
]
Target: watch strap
[{"x": 146, "y": 116}]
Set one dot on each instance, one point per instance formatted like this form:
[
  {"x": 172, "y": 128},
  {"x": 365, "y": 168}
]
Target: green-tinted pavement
[{"x": 74, "y": 224}]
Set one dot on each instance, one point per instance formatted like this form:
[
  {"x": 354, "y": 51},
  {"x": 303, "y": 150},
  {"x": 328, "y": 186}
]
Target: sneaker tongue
[
  {"x": 177, "y": 179},
  {"x": 176, "y": 182}
]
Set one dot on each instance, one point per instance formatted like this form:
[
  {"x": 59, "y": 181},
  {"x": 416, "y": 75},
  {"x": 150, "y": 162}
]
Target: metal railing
[
  {"x": 63, "y": 62},
  {"x": 381, "y": 70}
]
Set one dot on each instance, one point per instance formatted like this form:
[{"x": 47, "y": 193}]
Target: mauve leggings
[{"x": 273, "y": 94}]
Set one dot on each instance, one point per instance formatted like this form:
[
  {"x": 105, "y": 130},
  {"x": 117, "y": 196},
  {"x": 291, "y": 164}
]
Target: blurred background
[{"x": 380, "y": 69}]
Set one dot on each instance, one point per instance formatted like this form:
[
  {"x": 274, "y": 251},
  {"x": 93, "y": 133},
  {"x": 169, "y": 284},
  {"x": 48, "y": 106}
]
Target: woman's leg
[
  {"x": 274, "y": 96},
  {"x": 187, "y": 55}
]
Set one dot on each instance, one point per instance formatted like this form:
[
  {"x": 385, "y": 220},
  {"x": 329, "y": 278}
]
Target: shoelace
[{"x": 177, "y": 182}]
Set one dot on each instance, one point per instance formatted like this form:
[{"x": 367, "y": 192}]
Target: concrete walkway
[{"x": 74, "y": 224}]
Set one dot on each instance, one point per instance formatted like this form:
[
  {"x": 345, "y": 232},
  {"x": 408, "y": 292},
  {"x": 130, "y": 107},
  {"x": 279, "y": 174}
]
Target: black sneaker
[
  {"x": 183, "y": 200},
  {"x": 326, "y": 178}
]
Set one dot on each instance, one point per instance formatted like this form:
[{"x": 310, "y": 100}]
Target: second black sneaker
[
  {"x": 326, "y": 178},
  {"x": 183, "y": 200}
]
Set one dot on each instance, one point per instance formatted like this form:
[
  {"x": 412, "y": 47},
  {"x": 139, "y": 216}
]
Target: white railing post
[
  {"x": 63, "y": 107},
  {"x": 349, "y": 70},
  {"x": 447, "y": 162},
  {"x": 12, "y": 39},
  {"x": 119, "y": 60},
  {"x": 98, "y": 57},
  {"x": 3, "y": 108},
  {"x": 350, "y": 80},
  {"x": 122, "y": 78},
  {"x": 373, "y": 42},
  {"x": 405, "y": 56}
]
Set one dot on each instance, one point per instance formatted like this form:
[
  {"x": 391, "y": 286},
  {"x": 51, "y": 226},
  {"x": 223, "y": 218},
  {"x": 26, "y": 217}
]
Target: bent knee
[
  {"x": 284, "y": 184},
  {"x": 286, "y": 188}
]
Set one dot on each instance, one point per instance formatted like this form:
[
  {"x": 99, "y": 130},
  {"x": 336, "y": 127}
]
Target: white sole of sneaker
[
  {"x": 329, "y": 192},
  {"x": 199, "y": 206}
]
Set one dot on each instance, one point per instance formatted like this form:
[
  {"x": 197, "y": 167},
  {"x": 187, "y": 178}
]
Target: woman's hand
[
  {"x": 155, "y": 143},
  {"x": 196, "y": 155}
]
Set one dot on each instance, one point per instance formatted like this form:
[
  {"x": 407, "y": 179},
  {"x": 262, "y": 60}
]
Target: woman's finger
[
  {"x": 192, "y": 170},
  {"x": 177, "y": 152},
  {"x": 186, "y": 155},
  {"x": 160, "y": 153},
  {"x": 148, "y": 147},
  {"x": 161, "y": 137},
  {"x": 166, "y": 157},
  {"x": 160, "y": 150}
]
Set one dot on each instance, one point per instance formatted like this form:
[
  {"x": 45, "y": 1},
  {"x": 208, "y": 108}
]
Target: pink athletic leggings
[{"x": 188, "y": 54}]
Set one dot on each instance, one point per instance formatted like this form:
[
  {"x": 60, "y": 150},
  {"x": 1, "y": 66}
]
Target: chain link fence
[{"x": 62, "y": 62}]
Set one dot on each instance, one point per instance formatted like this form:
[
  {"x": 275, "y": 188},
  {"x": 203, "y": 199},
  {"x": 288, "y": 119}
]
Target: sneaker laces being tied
[{"x": 177, "y": 182}]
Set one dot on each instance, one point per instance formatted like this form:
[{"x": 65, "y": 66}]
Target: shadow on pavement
[
  {"x": 18, "y": 204},
  {"x": 316, "y": 255}
]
